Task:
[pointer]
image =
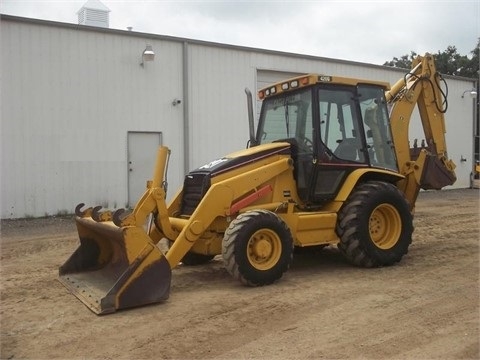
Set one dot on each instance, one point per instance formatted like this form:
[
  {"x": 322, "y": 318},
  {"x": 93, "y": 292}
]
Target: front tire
[
  {"x": 375, "y": 225},
  {"x": 257, "y": 248}
]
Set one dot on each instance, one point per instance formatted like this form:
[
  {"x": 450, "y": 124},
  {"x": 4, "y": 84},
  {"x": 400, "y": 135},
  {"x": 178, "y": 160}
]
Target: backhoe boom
[{"x": 426, "y": 167}]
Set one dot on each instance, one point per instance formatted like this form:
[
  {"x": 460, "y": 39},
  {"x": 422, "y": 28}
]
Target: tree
[
  {"x": 404, "y": 62},
  {"x": 471, "y": 67},
  {"x": 448, "y": 62}
]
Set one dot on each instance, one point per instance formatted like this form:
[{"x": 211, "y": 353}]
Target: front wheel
[
  {"x": 257, "y": 248},
  {"x": 375, "y": 225}
]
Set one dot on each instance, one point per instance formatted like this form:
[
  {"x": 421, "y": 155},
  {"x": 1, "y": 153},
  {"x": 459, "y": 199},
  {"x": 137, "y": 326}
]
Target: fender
[{"x": 365, "y": 174}]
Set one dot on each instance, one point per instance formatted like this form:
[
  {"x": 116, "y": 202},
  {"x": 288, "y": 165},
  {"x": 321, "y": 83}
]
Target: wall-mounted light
[
  {"x": 472, "y": 92},
  {"x": 147, "y": 55}
]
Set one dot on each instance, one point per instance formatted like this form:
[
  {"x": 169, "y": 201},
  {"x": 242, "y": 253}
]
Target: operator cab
[{"x": 334, "y": 126}]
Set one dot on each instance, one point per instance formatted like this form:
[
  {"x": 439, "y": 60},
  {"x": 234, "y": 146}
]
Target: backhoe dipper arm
[{"x": 426, "y": 167}]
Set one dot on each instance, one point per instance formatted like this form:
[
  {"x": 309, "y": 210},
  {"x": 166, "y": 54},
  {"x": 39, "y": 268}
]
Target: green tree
[
  {"x": 448, "y": 62},
  {"x": 404, "y": 62},
  {"x": 471, "y": 66}
]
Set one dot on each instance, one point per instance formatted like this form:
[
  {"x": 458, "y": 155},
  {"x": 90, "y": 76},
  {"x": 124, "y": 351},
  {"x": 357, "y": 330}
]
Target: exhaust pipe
[{"x": 251, "y": 125}]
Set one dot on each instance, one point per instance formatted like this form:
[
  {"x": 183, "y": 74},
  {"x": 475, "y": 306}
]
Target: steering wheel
[{"x": 308, "y": 143}]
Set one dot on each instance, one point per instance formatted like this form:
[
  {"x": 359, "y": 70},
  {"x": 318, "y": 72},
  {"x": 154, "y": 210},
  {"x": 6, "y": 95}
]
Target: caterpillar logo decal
[{"x": 213, "y": 163}]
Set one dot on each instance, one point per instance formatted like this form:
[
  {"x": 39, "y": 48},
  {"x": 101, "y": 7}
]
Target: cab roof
[{"x": 311, "y": 79}]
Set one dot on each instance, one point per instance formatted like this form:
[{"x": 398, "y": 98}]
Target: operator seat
[{"x": 347, "y": 149}]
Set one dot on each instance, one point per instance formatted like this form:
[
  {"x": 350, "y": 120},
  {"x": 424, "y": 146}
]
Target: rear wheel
[
  {"x": 257, "y": 248},
  {"x": 375, "y": 225}
]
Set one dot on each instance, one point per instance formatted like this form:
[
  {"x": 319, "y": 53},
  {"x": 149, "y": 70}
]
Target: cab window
[
  {"x": 377, "y": 126},
  {"x": 339, "y": 124}
]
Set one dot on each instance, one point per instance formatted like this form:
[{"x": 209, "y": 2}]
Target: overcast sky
[{"x": 367, "y": 31}]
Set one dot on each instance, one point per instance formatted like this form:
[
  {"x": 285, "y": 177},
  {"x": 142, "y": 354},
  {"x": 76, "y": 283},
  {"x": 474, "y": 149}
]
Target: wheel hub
[
  {"x": 385, "y": 226},
  {"x": 264, "y": 249}
]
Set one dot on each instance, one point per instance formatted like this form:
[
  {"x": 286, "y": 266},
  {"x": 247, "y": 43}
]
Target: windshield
[{"x": 287, "y": 117}]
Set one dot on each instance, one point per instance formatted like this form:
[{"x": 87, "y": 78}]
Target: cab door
[{"x": 342, "y": 145}]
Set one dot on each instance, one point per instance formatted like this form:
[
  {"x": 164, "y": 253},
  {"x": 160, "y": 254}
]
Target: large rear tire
[
  {"x": 257, "y": 248},
  {"x": 375, "y": 225}
]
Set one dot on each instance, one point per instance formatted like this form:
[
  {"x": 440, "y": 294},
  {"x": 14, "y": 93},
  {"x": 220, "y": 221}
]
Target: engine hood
[{"x": 242, "y": 158}]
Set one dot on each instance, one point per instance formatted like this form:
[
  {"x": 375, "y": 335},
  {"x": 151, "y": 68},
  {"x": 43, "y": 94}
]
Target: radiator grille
[{"x": 194, "y": 188}]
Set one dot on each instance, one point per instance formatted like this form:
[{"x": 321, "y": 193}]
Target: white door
[{"x": 142, "y": 150}]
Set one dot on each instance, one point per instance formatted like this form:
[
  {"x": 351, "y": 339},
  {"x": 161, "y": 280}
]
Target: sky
[{"x": 370, "y": 31}]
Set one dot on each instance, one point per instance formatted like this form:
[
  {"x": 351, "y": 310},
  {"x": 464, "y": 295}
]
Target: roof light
[
  {"x": 285, "y": 86},
  {"x": 304, "y": 81},
  {"x": 294, "y": 84}
]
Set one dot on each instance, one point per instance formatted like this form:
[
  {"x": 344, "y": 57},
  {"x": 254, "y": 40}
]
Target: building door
[{"x": 142, "y": 150}]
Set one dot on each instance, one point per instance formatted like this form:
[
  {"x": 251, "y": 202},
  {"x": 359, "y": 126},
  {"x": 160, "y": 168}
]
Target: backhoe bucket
[{"x": 115, "y": 267}]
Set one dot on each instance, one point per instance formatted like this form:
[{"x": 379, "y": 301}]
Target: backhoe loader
[{"x": 330, "y": 163}]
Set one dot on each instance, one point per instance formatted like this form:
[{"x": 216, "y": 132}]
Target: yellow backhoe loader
[{"x": 329, "y": 164}]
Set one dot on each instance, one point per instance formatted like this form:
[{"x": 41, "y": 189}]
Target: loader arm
[
  {"x": 426, "y": 167},
  {"x": 217, "y": 202}
]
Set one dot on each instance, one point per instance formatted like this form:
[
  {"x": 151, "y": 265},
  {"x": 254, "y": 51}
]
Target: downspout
[
  {"x": 476, "y": 133},
  {"x": 186, "y": 126}
]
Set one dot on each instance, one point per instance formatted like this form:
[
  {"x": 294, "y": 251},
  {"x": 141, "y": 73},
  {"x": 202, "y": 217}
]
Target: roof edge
[{"x": 204, "y": 42}]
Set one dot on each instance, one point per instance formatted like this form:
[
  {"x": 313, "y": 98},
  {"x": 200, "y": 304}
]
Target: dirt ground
[{"x": 426, "y": 307}]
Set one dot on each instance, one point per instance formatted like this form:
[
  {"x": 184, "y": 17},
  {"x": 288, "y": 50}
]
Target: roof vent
[{"x": 93, "y": 13}]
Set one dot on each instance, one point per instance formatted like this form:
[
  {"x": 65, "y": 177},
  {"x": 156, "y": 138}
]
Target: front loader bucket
[{"x": 115, "y": 267}]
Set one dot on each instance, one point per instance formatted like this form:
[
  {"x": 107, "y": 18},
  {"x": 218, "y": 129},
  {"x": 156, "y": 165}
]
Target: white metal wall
[
  {"x": 69, "y": 97},
  {"x": 70, "y": 94},
  {"x": 218, "y": 106}
]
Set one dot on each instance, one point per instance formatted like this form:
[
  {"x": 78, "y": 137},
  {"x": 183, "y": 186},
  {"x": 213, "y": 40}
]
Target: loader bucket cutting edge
[{"x": 115, "y": 268}]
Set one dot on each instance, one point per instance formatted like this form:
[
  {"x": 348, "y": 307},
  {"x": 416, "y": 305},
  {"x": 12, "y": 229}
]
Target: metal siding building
[{"x": 81, "y": 119}]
